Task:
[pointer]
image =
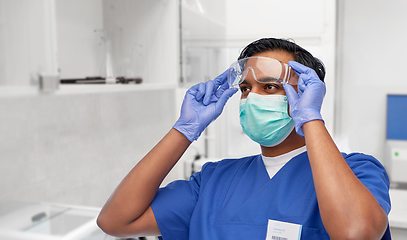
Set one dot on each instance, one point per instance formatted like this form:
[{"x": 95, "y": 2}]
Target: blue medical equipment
[
  {"x": 396, "y": 124},
  {"x": 396, "y": 139}
]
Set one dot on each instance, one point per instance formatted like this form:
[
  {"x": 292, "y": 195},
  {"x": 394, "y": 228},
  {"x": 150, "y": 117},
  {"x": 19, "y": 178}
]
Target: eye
[
  {"x": 273, "y": 88},
  {"x": 244, "y": 88}
]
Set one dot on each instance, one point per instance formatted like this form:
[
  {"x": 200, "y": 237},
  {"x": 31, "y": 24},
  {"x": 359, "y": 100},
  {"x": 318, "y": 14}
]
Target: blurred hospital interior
[{"x": 87, "y": 88}]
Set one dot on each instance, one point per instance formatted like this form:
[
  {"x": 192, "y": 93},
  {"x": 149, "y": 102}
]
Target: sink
[{"x": 47, "y": 221}]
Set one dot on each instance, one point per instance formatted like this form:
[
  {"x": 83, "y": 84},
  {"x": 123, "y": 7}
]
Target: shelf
[
  {"x": 71, "y": 89},
  {"x": 108, "y": 88}
]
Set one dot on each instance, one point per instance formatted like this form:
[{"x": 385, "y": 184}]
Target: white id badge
[{"x": 277, "y": 230}]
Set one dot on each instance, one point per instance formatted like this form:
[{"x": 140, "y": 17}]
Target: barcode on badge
[{"x": 278, "y": 238}]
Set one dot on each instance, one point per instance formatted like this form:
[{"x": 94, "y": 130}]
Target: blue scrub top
[{"x": 235, "y": 198}]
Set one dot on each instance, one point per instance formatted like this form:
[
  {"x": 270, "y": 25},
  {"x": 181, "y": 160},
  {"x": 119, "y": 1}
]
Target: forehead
[{"x": 280, "y": 55}]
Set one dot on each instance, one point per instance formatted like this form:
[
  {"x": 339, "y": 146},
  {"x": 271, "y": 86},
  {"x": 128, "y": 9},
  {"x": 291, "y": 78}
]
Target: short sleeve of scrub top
[
  {"x": 373, "y": 175},
  {"x": 174, "y": 205}
]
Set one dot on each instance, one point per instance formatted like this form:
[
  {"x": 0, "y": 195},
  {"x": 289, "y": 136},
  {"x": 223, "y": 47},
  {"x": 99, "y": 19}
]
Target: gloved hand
[
  {"x": 306, "y": 105},
  {"x": 202, "y": 104}
]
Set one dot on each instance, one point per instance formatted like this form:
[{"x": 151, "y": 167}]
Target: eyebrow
[
  {"x": 244, "y": 82},
  {"x": 267, "y": 79}
]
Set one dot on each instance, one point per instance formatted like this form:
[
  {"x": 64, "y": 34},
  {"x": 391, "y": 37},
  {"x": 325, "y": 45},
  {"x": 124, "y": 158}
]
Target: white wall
[
  {"x": 75, "y": 145},
  {"x": 262, "y": 18},
  {"x": 75, "y": 149},
  {"x": 371, "y": 64}
]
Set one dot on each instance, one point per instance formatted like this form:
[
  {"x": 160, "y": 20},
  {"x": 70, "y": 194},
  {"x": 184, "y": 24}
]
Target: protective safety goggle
[{"x": 263, "y": 70}]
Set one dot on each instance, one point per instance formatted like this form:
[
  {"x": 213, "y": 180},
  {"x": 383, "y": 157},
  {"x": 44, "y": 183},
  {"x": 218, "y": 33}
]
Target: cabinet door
[{"x": 27, "y": 41}]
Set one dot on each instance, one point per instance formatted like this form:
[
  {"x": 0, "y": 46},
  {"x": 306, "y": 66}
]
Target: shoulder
[
  {"x": 372, "y": 174},
  {"x": 356, "y": 160},
  {"x": 366, "y": 166}
]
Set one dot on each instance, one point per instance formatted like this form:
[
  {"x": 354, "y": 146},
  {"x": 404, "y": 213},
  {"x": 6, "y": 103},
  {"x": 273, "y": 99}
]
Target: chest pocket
[{"x": 285, "y": 197}]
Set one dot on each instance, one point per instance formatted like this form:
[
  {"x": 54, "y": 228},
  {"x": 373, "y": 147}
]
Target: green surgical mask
[{"x": 264, "y": 118}]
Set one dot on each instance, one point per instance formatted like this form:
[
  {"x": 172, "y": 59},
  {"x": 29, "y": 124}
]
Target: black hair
[{"x": 299, "y": 54}]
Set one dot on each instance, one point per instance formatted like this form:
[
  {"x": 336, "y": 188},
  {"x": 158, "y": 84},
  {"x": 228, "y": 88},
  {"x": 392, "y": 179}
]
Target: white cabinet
[
  {"x": 103, "y": 128},
  {"x": 27, "y": 41},
  {"x": 75, "y": 39}
]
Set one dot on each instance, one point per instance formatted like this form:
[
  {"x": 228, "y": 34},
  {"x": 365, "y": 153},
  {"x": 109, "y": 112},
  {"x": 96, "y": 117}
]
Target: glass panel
[
  {"x": 61, "y": 222},
  {"x": 203, "y": 35},
  {"x": 21, "y": 216},
  {"x": 44, "y": 219}
]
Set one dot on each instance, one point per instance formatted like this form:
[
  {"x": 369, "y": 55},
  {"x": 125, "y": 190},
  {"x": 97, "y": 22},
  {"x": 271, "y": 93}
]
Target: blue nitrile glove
[
  {"x": 305, "y": 105},
  {"x": 202, "y": 104}
]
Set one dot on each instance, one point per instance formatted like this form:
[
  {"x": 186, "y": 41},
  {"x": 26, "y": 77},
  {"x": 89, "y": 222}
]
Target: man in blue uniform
[{"x": 299, "y": 187}]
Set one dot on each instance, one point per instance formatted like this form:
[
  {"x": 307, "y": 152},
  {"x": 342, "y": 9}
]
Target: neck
[{"x": 292, "y": 142}]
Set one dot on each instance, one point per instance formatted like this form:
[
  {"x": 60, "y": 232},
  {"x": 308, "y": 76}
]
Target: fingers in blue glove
[
  {"x": 200, "y": 91},
  {"x": 221, "y": 79},
  {"x": 306, "y": 76},
  {"x": 306, "y": 105},
  {"x": 209, "y": 90},
  {"x": 222, "y": 89},
  {"x": 299, "y": 68},
  {"x": 197, "y": 112},
  {"x": 212, "y": 90},
  {"x": 305, "y": 73},
  {"x": 291, "y": 94},
  {"x": 224, "y": 98}
]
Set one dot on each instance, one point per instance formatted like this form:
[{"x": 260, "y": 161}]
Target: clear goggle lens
[{"x": 263, "y": 70}]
